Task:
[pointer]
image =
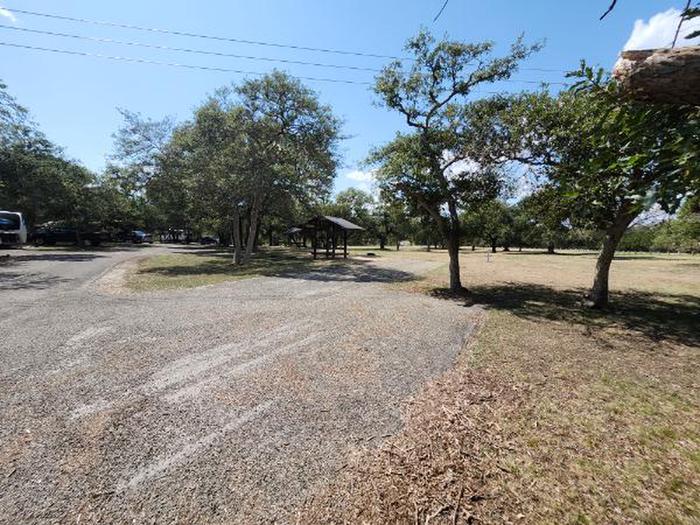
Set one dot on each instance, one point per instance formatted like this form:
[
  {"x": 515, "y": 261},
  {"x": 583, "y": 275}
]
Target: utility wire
[
  {"x": 222, "y": 69},
  {"x": 223, "y": 39},
  {"x": 236, "y": 40},
  {"x": 185, "y": 50},
  {"x": 216, "y": 53},
  {"x": 444, "y": 5},
  {"x": 172, "y": 64},
  {"x": 612, "y": 6},
  {"x": 198, "y": 35}
]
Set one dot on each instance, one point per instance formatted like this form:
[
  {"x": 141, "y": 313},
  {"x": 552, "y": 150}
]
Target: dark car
[
  {"x": 209, "y": 240},
  {"x": 141, "y": 237},
  {"x": 53, "y": 234}
]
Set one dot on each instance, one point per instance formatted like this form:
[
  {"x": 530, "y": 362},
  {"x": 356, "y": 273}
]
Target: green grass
[{"x": 192, "y": 267}]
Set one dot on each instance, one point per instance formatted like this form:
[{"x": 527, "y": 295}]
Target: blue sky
[{"x": 74, "y": 98}]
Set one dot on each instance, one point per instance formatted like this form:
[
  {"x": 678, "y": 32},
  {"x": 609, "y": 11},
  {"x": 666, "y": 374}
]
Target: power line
[
  {"x": 225, "y": 39},
  {"x": 221, "y": 69},
  {"x": 444, "y": 5},
  {"x": 185, "y": 50},
  {"x": 216, "y": 53},
  {"x": 173, "y": 64},
  {"x": 202, "y": 36}
]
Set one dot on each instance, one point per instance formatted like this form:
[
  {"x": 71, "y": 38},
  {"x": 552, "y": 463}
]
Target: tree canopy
[
  {"x": 436, "y": 167},
  {"x": 607, "y": 158}
]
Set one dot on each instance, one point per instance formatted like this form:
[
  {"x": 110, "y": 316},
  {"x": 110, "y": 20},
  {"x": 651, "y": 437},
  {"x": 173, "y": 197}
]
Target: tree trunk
[
  {"x": 473, "y": 247},
  {"x": 256, "y": 240},
  {"x": 550, "y": 247},
  {"x": 453, "y": 237},
  {"x": 661, "y": 75},
  {"x": 398, "y": 244},
  {"x": 506, "y": 248},
  {"x": 493, "y": 247},
  {"x": 252, "y": 229},
  {"x": 599, "y": 292},
  {"x": 453, "y": 250},
  {"x": 382, "y": 242},
  {"x": 236, "y": 227}
]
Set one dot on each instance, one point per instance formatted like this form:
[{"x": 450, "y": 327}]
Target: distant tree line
[
  {"x": 500, "y": 226},
  {"x": 37, "y": 178}
]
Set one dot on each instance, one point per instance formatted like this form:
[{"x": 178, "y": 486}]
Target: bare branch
[{"x": 680, "y": 23}]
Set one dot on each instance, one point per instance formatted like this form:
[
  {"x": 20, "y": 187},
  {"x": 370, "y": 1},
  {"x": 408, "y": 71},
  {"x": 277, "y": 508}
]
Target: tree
[
  {"x": 495, "y": 223},
  {"x": 139, "y": 147},
  {"x": 682, "y": 233},
  {"x": 292, "y": 143},
  {"x": 265, "y": 147},
  {"x": 429, "y": 168},
  {"x": 395, "y": 221},
  {"x": 35, "y": 178},
  {"x": 609, "y": 158},
  {"x": 355, "y": 205},
  {"x": 471, "y": 228},
  {"x": 547, "y": 213},
  {"x": 522, "y": 231}
]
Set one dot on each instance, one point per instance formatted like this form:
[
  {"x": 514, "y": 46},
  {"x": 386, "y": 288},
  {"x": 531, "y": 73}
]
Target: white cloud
[
  {"x": 660, "y": 30},
  {"x": 363, "y": 180},
  {"x": 4, "y": 13},
  {"x": 361, "y": 176}
]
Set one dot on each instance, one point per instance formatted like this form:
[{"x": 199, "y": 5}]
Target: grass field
[
  {"x": 192, "y": 267},
  {"x": 556, "y": 413}
]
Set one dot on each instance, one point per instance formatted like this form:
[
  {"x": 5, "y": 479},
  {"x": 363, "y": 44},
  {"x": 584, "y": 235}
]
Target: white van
[{"x": 13, "y": 229}]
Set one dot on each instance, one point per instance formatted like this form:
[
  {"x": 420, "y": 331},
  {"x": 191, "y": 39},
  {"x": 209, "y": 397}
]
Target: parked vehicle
[
  {"x": 209, "y": 240},
  {"x": 13, "y": 229},
  {"x": 54, "y": 233},
  {"x": 140, "y": 237}
]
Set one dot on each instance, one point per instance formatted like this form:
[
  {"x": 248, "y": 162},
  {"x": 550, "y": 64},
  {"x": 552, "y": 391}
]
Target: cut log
[{"x": 670, "y": 76}]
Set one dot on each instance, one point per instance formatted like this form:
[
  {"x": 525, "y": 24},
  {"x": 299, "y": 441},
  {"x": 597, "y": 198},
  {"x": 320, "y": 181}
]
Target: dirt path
[{"x": 222, "y": 404}]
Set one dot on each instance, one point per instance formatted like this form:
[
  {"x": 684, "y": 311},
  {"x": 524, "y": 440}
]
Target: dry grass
[
  {"x": 192, "y": 267},
  {"x": 556, "y": 414}
]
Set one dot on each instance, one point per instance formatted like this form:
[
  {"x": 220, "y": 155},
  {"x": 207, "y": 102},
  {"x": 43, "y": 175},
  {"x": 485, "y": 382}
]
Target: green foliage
[
  {"x": 605, "y": 155},
  {"x": 639, "y": 238},
  {"x": 264, "y": 151},
  {"x": 495, "y": 223},
  {"x": 546, "y": 214},
  {"x": 439, "y": 169},
  {"x": 690, "y": 14},
  {"x": 679, "y": 234},
  {"x": 34, "y": 177}
]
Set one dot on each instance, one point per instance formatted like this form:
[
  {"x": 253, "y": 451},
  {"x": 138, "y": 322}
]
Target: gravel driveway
[{"x": 218, "y": 404}]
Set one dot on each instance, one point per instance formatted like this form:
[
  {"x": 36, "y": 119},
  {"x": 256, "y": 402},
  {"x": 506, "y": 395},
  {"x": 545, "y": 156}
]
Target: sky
[{"x": 74, "y": 98}]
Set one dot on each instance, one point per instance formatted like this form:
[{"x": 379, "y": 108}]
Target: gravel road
[{"x": 227, "y": 403}]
